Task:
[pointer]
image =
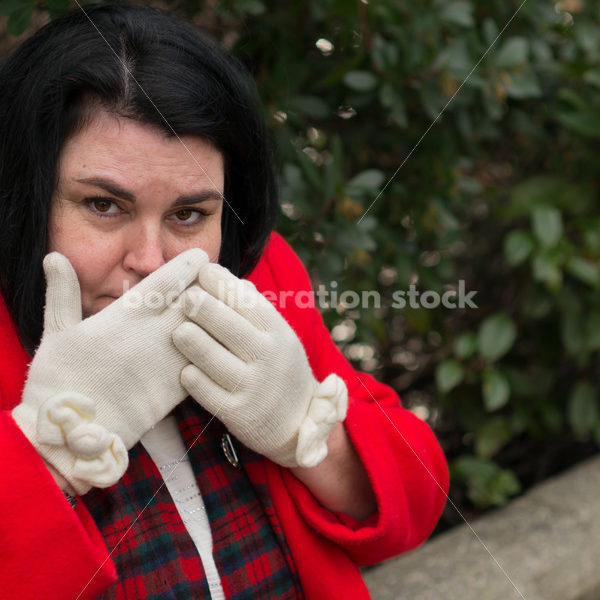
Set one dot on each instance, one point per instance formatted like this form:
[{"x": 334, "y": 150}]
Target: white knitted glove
[
  {"x": 96, "y": 386},
  {"x": 250, "y": 370}
]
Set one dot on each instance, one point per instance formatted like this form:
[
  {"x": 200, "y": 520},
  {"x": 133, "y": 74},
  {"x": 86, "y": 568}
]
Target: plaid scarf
[{"x": 155, "y": 556}]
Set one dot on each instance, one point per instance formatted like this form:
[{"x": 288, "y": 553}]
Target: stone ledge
[{"x": 547, "y": 542}]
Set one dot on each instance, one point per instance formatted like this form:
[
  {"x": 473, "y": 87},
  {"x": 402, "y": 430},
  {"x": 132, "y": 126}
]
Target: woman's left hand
[{"x": 249, "y": 369}]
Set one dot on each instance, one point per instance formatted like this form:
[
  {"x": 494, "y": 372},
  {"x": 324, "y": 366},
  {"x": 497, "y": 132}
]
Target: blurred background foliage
[{"x": 380, "y": 190}]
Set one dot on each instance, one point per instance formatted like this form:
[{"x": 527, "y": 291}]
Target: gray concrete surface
[{"x": 543, "y": 546}]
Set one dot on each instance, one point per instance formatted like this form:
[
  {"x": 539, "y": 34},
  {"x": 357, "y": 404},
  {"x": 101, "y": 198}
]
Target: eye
[
  {"x": 188, "y": 216},
  {"x": 103, "y": 206},
  {"x": 185, "y": 214}
]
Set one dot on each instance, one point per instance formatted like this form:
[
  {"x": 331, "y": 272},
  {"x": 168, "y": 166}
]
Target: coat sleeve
[
  {"x": 49, "y": 550},
  {"x": 403, "y": 460}
]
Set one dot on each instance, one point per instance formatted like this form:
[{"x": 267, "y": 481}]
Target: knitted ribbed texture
[
  {"x": 250, "y": 370},
  {"x": 81, "y": 404}
]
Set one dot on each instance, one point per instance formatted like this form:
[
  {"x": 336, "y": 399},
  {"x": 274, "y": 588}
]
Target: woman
[{"x": 217, "y": 444}]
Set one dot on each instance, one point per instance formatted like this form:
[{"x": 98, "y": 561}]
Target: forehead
[{"x": 138, "y": 152}]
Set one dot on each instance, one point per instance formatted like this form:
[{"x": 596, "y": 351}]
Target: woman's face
[{"x": 128, "y": 200}]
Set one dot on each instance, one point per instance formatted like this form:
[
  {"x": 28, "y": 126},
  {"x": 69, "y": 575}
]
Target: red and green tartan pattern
[{"x": 153, "y": 553}]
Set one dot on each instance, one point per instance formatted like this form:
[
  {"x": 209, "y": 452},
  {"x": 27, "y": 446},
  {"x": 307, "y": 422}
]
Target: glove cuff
[
  {"x": 65, "y": 434},
  {"x": 327, "y": 407}
]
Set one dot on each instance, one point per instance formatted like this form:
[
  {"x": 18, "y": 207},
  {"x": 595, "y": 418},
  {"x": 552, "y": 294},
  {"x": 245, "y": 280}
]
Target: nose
[{"x": 144, "y": 251}]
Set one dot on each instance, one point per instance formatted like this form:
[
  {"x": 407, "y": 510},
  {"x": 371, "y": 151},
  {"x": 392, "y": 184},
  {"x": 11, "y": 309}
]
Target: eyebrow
[{"x": 116, "y": 190}]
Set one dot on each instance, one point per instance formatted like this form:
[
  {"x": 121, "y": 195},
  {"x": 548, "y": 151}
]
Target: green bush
[{"x": 427, "y": 143}]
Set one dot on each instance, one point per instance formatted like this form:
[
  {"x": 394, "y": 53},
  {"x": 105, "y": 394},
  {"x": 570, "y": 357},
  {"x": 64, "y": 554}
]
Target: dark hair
[{"x": 48, "y": 89}]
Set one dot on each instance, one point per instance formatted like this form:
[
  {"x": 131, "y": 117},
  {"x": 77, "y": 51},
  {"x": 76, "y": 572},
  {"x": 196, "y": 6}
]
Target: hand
[
  {"x": 95, "y": 386},
  {"x": 250, "y": 370}
]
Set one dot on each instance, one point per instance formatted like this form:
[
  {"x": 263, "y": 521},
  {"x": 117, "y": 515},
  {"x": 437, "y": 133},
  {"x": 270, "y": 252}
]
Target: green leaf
[
  {"x": 585, "y": 123},
  {"x": 584, "y": 270},
  {"x": 547, "y": 225},
  {"x": 385, "y": 53},
  {"x": 456, "y": 57},
  {"x": 57, "y": 7},
  {"x": 465, "y": 345},
  {"x": 331, "y": 266},
  {"x": 583, "y": 409},
  {"x": 552, "y": 418},
  {"x": 547, "y": 270},
  {"x": 350, "y": 236},
  {"x": 586, "y": 35},
  {"x": 501, "y": 487},
  {"x": 591, "y": 238},
  {"x": 573, "y": 332},
  {"x": 491, "y": 436},
  {"x": 512, "y": 53},
  {"x": 458, "y": 13},
  {"x": 250, "y": 7},
  {"x": 334, "y": 176},
  {"x": 496, "y": 390},
  {"x": 523, "y": 85},
  {"x": 311, "y": 106},
  {"x": 448, "y": 375},
  {"x": 592, "y": 76},
  {"x": 432, "y": 99},
  {"x": 517, "y": 247},
  {"x": 593, "y": 331},
  {"x": 19, "y": 20},
  {"x": 487, "y": 483},
  {"x": 369, "y": 180},
  {"x": 490, "y": 31},
  {"x": 541, "y": 51},
  {"x": 7, "y": 7},
  {"x": 360, "y": 81},
  {"x": 496, "y": 336},
  {"x": 573, "y": 99},
  {"x": 532, "y": 192},
  {"x": 471, "y": 468},
  {"x": 368, "y": 223},
  {"x": 310, "y": 171},
  {"x": 391, "y": 100}
]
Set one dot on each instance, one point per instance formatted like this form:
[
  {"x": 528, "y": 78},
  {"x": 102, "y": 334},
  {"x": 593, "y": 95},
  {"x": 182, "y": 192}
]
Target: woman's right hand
[{"x": 95, "y": 386}]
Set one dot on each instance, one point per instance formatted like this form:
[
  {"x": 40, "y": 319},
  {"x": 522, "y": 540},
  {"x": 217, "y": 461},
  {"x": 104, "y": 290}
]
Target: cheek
[
  {"x": 91, "y": 268},
  {"x": 93, "y": 272},
  {"x": 85, "y": 252},
  {"x": 69, "y": 235},
  {"x": 92, "y": 258}
]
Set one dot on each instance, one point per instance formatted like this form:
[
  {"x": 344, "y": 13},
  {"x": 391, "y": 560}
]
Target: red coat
[{"x": 52, "y": 552}]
